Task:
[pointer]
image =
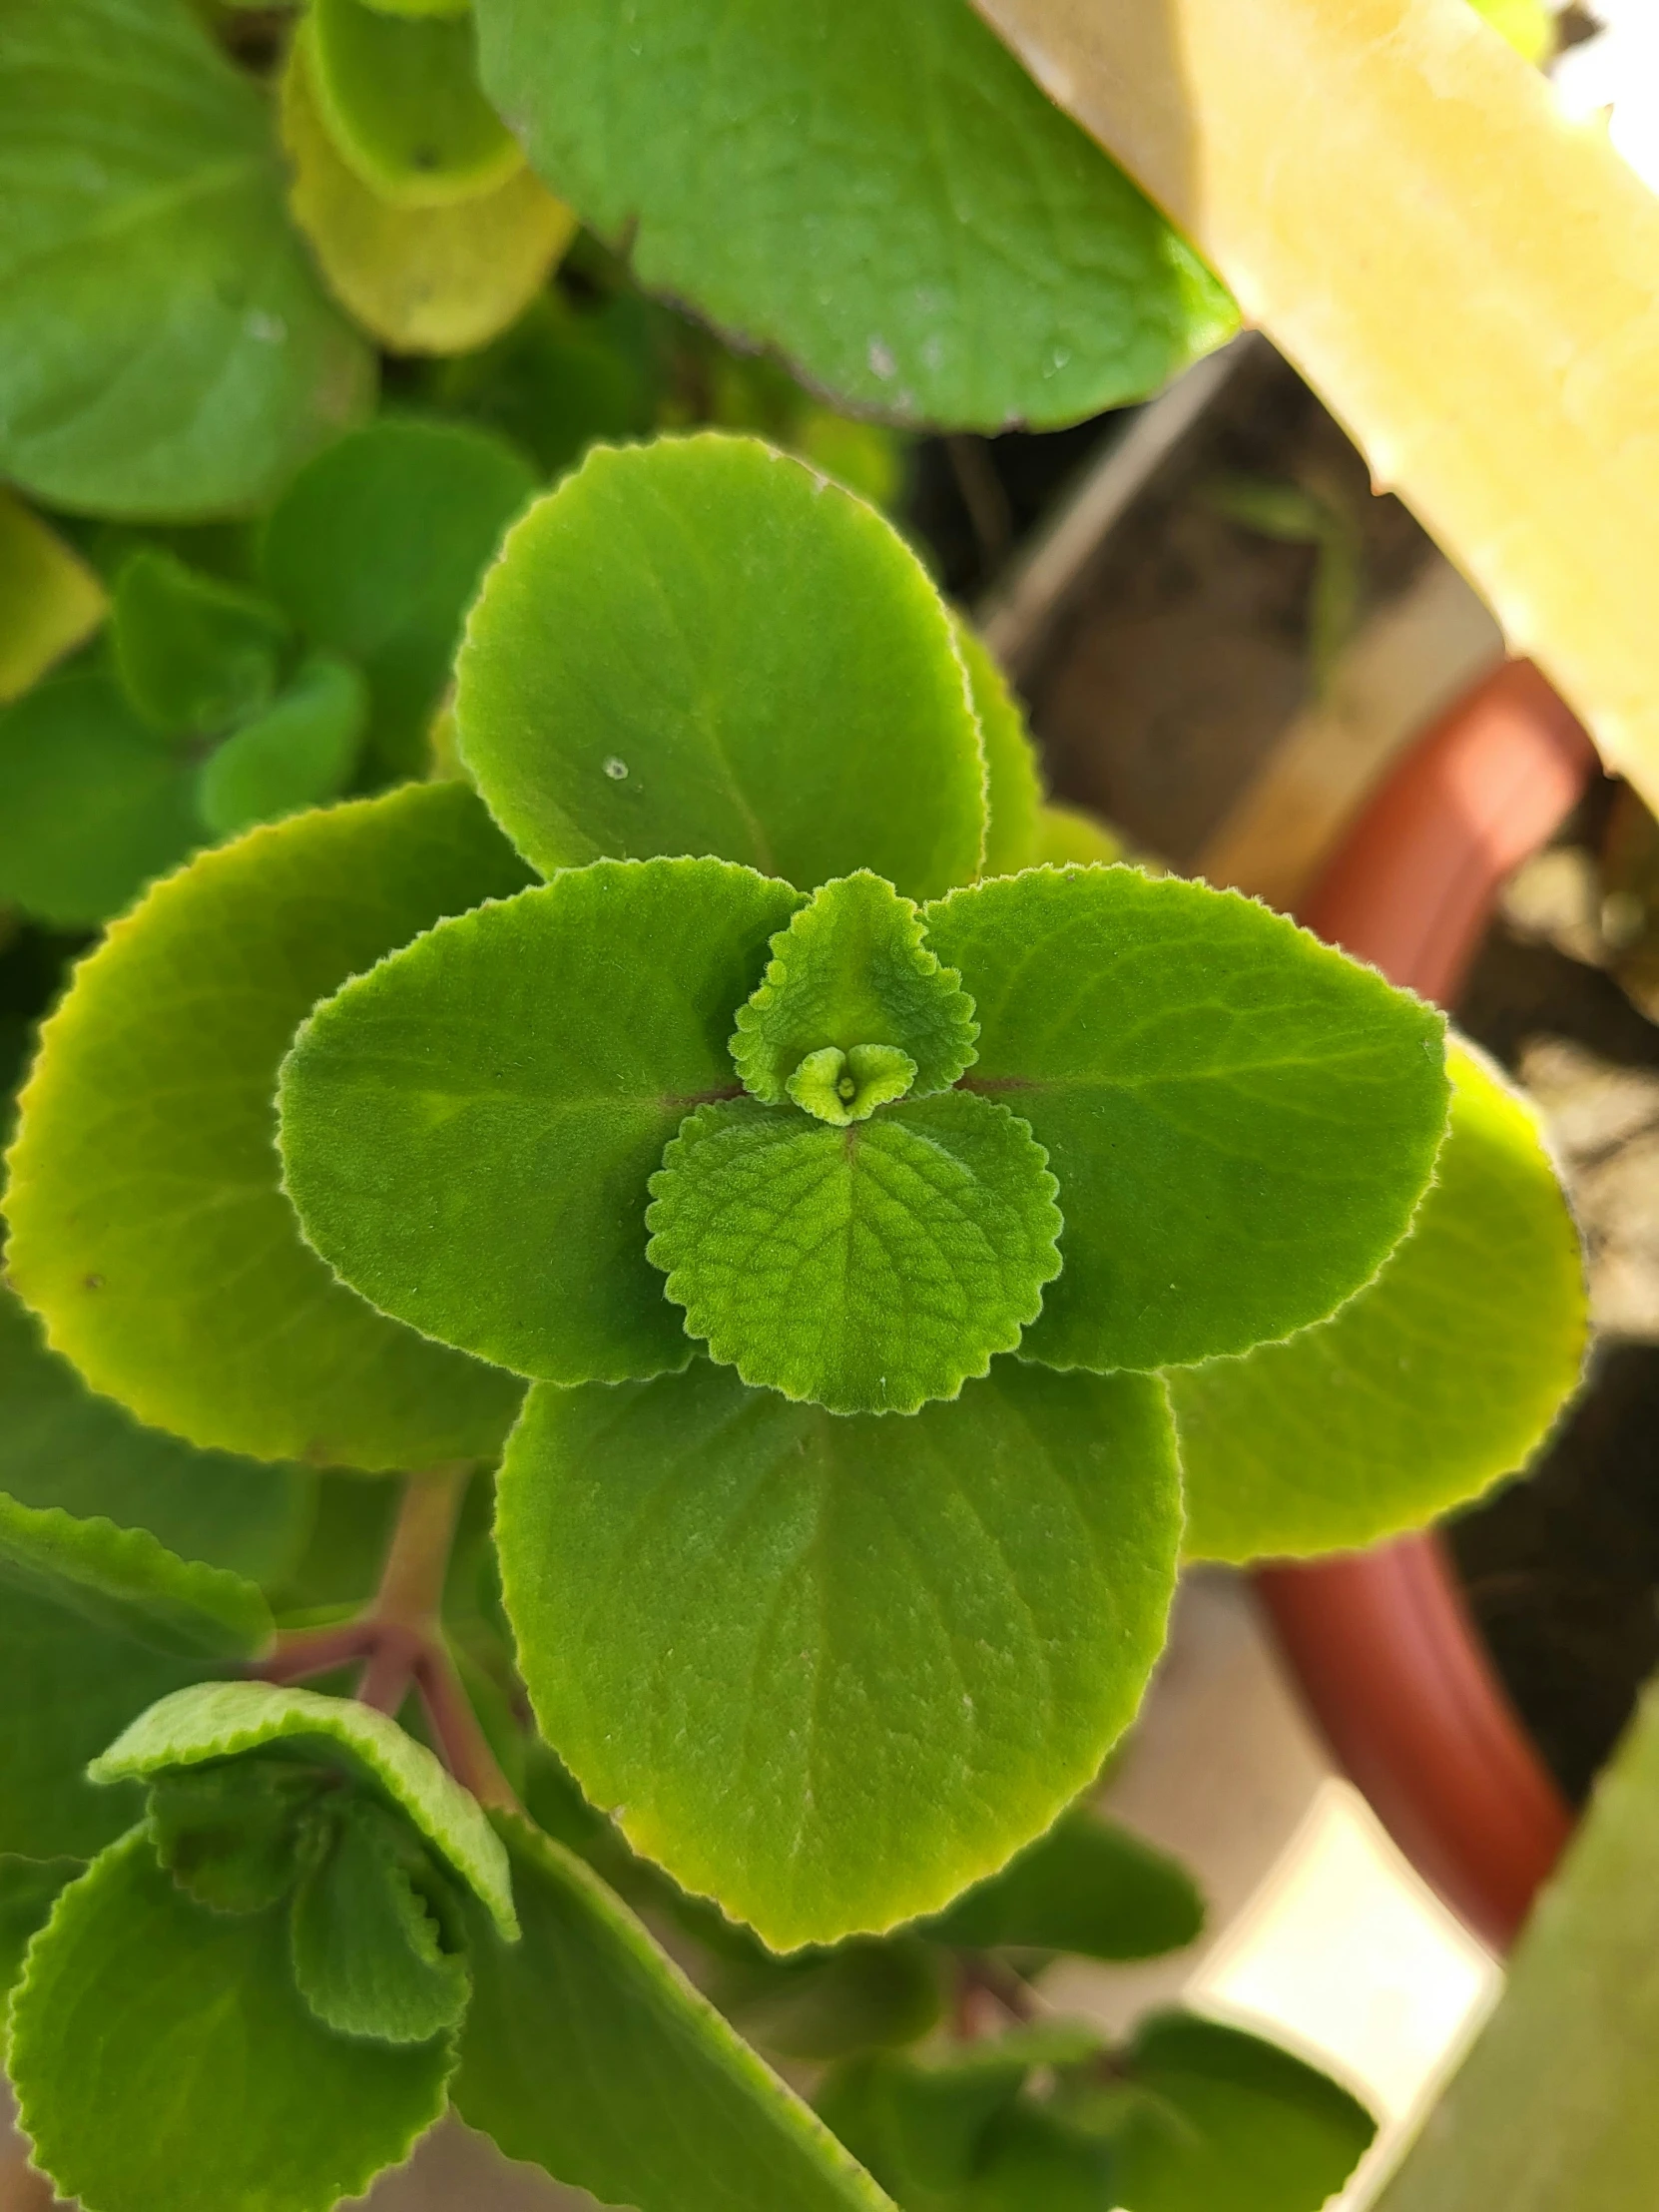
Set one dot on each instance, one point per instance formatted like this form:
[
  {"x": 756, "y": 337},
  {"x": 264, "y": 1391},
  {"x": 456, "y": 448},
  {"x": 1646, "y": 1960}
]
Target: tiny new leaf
[
  {"x": 1242, "y": 1121},
  {"x": 869, "y": 1268},
  {"x": 704, "y": 647},
  {"x": 296, "y": 753},
  {"x": 469, "y": 1130},
  {"x": 587, "y": 2053},
  {"x": 367, "y": 1948},
  {"x": 148, "y": 1224},
  {"x": 1438, "y": 1378},
  {"x": 216, "y": 2085},
  {"x": 229, "y": 1832},
  {"x": 880, "y": 193},
  {"x": 832, "y": 1670}
]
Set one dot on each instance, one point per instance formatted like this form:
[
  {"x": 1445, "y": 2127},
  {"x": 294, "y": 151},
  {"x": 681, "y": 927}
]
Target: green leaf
[
  {"x": 50, "y": 601},
  {"x": 376, "y": 549},
  {"x": 825, "y": 2004},
  {"x": 869, "y": 1269},
  {"x": 852, "y": 971},
  {"x": 1242, "y": 1120},
  {"x": 587, "y": 2053},
  {"x": 60, "y": 1445},
  {"x": 468, "y": 1131},
  {"x": 399, "y": 94},
  {"x": 702, "y": 646},
  {"x": 1013, "y": 776},
  {"x": 1217, "y": 2121},
  {"x": 28, "y": 1891},
  {"x": 219, "y": 1720},
  {"x": 843, "y": 1087},
  {"x": 89, "y": 806},
  {"x": 148, "y": 1225},
  {"x": 1437, "y": 1380},
  {"x": 164, "y": 2062},
  {"x": 1031, "y": 2162},
  {"x": 831, "y": 1671},
  {"x": 428, "y": 280},
  {"x": 232, "y": 1834},
  {"x": 1087, "y": 1887},
  {"x": 165, "y": 347},
  {"x": 194, "y": 654},
  {"x": 882, "y": 195},
  {"x": 300, "y": 751},
  {"x": 1067, "y": 833},
  {"x": 367, "y": 1951}
]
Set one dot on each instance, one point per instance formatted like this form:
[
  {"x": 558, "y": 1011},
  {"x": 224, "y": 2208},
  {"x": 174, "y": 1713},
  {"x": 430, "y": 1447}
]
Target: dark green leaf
[
  {"x": 376, "y": 549},
  {"x": 832, "y": 1670},
  {"x": 825, "y": 2004},
  {"x": 703, "y": 647},
  {"x": 194, "y": 654},
  {"x": 869, "y": 1268},
  {"x": 91, "y": 807},
  {"x": 1242, "y": 1120},
  {"x": 1031, "y": 2162},
  {"x": 61, "y": 1446},
  {"x": 367, "y": 1951},
  {"x": 146, "y": 1220},
  {"x": 165, "y": 345},
  {"x": 164, "y": 2062},
  {"x": 399, "y": 93},
  {"x": 468, "y": 1131},
  {"x": 852, "y": 971},
  {"x": 560, "y": 377},
  {"x": 881, "y": 194},
  {"x": 28, "y": 1891},
  {"x": 1087, "y": 1887},
  {"x": 231, "y": 1832},
  {"x": 296, "y": 753},
  {"x": 588, "y": 2053}
]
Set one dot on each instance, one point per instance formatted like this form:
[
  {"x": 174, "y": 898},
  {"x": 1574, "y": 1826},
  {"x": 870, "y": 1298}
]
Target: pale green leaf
[
  {"x": 1437, "y": 1380},
  {"x": 1066, "y": 833},
  {"x": 166, "y": 348},
  {"x": 428, "y": 280},
  {"x": 28, "y": 1891},
  {"x": 61, "y": 1446},
  {"x": 869, "y": 1269},
  {"x": 146, "y": 1220},
  {"x": 399, "y": 94},
  {"x": 587, "y": 2053},
  {"x": 1087, "y": 1887},
  {"x": 50, "y": 601},
  {"x": 164, "y": 2062},
  {"x": 376, "y": 549},
  {"x": 1013, "y": 775},
  {"x": 843, "y": 1087},
  {"x": 851, "y": 969},
  {"x": 298, "y": 752},
  {"x": 91, "y": 806},
  {"x": 881, "y": 194},
  {"x": 831, "y": 1671},
  {"x": 366, "y": 1949},
  {"x": 702, "y": 646},
  {"x": 194, "y": 653},
  {"x": 1217, "y": 2121},
  {"x": 220, "y": 1720},
  {"x": 468, "y": 1131},
  {"x": 1240, "y": 1119}
]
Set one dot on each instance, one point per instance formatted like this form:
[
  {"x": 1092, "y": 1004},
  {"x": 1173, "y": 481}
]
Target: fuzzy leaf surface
[
  {"x": 222, "y": 1720},
  {"x": 400, "y": 96},
  {"x": 146, "y": 1220},
  {"x": 91, "y": 807},
  {"x": 1014, "y": 775},
  {"x": 194, "y": 654},
  {"x": 298, "y": 753},
  {"x": 468, "y": 1131},
  {"x": 377, "y": 547},
  {"x": 868, "y": 1269},
  {"x": 1088, "y": 1887},
  {"x": 831, "y": 1671},
  {"x": 586, "y": 2051},
  {"x": 61, "y": 1446},
  {"x": 1217, "y": 2121},
  {"x": 215, "y": 2086},
  {"x": 1241, "y": 1120},
  {"x": 427, "y": 280},
  {"x": 884, "y": 197},
  {"x": 851, "y": 969},
  {"x": 50, "y": 600},
  {"x": 702, "y": 646},
  {"x": 166, "y": 348},
  {"x": 366, "y": 1946},
  {"x": 1437, "y": 1380}
]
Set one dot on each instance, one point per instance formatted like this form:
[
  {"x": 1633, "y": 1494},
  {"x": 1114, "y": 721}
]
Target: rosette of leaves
[{"x": 218, "y": 703}]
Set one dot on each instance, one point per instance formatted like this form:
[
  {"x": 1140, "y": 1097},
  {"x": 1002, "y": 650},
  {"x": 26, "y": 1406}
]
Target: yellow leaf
[{"x": 50, "y": 601}]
